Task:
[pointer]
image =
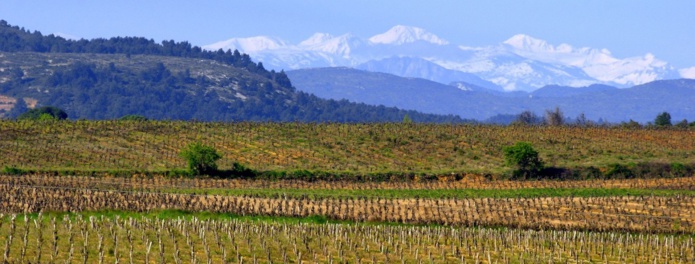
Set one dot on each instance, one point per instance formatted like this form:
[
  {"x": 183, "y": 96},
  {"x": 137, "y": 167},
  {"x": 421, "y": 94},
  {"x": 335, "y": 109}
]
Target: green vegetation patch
[{"x": 189, "y": 215}]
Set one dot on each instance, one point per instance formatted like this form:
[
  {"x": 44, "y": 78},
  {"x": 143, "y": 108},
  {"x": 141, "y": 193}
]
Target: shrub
[
  {"x": 524, "y": 158},
  {"x": 618, "y": 171},
  {"x": 591, "y": 173},
  {"x": 240, "y": 170},
  {"x": 680, "y": 170},
  {"x": 12, "y": 171},
  {"x": 558, "y": 173},
  {"x": 137, "y": 118},
  {"x": 200, "y": 158}
]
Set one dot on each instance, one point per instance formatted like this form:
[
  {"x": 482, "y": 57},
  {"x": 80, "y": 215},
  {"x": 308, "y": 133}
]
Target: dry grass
[
  {"x": 631, "y": 213},
  {"x": 472, "y": 181}
]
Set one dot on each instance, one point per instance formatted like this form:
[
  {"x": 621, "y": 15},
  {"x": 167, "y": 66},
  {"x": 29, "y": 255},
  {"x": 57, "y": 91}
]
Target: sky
[{"x": 625, "y": 27}]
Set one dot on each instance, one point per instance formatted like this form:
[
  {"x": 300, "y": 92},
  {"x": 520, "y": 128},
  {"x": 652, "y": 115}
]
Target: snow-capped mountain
[
  {"x": 598, "y": 64},
  {"x": 519, "y": 63},
  {"x": 402, "y": 34},
  {"x": 339, "y": 46},
  {"x": 249, "y": 45}
]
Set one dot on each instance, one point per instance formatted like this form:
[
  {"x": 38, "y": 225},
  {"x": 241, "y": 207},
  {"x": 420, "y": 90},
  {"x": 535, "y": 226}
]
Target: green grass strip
[{"x": 168, "y": 214}]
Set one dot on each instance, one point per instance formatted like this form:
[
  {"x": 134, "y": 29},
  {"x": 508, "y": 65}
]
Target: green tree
[
  {"x": 44, "y": 113},
  {"x": 632, "y": 124},
  {"x": 663, "y": 120},
  {"x": 682, "y": 124},
  {"x": 200, "y": 158},
  {"x": 524, "y": 158},
  {"x": 407, "y": 120},
  {"x": 46, "y": 117}
]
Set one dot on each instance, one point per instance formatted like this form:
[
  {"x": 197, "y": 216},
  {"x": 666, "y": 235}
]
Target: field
[
  {"x": 332, "y": 148},
  {"x": 99, "y": 239},
  {"x": 94, "y": 192},
  {"x": 157, "y": 220}
]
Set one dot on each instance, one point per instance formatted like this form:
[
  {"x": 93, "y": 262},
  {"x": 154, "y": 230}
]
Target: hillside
[
  {"x": 107, "y": 79},
  {"x": 394, "y": 91}
]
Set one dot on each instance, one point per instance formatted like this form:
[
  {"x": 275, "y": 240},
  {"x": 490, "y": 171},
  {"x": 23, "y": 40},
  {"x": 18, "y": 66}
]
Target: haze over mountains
[{"x": 521, "y": 63}]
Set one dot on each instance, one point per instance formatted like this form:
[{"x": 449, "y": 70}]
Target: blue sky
[{"x": 625, "y": 27}]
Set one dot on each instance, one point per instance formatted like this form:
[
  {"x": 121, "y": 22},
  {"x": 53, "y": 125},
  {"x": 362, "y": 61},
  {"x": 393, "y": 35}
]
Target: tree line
[
  {"x": 16, "y": 39},
  {"x": 556, "y": 117}
]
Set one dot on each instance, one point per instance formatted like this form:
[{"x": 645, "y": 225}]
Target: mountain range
[
  {"x": 520, "y": 63},
  {"x": 110, "y": 78},
  {"x": 596, "y": 102}
]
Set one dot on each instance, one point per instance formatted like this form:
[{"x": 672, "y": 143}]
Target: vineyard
[
  {"x": 102, "y": 192},
  {"x": 332, "y": 148},
  {"x": 79, "y": 239}
]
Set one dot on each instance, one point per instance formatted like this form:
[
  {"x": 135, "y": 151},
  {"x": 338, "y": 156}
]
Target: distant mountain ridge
[
  {"x": 551, "y": 91},
  {"x": 519, "y": 63},
  {"x": 421, "y": 68},
  {"x": 640, "y": 103}
]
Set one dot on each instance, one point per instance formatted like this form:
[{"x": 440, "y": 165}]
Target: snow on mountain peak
[
  {"x": 688, "y": 73},
  {"x": 463, "y": 87},
  {"x": 316, "y": 39},
  {"x": 528, "y": 43},
  {"x": 248, "y": 45},
  {"x": 327, "y": 43},
  {"x": 520, "y": 62},
  {"x": 597, "y": 63},
  {"x": 403, "y": 34}
]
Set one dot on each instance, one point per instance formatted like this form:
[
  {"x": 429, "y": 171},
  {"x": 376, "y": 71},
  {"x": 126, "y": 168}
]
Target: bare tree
[
  {"x": 582, "y": 121},
  {"x": 554, "y": 118},
  {"x": 526, "y": 118}
]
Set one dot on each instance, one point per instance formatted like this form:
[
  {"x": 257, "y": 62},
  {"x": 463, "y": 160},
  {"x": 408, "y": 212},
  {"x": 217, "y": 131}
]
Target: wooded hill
[{"x": 110, "y": 78}]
